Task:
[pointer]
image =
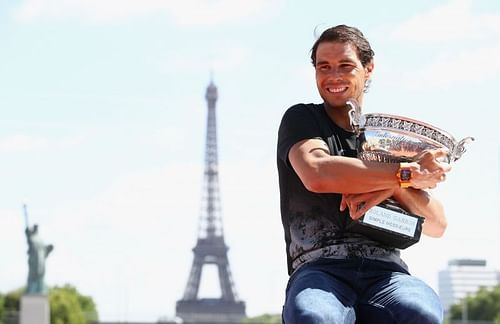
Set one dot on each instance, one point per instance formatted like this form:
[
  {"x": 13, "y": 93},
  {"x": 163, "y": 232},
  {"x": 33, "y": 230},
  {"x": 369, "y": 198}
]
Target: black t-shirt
[{"x": 313, "y": 224}]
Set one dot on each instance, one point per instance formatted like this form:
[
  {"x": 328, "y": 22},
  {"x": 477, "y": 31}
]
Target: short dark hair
[{"x": 345, "y": 34}]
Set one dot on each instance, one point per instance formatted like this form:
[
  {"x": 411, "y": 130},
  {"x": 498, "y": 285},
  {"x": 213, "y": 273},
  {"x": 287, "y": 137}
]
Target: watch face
[{"x": 405, "y": 174}]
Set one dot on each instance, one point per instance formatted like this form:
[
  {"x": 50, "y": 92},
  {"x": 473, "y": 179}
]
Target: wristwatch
[{"x": 404, "y": 175}]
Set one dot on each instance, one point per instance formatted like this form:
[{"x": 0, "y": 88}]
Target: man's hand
[
  {"x": 427, "y": 170},
  {"x": 359, "y": 204}
]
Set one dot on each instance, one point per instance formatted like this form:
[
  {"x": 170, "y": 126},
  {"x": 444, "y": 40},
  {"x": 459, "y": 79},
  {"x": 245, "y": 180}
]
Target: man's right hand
[{"x": 427, "y": 170}]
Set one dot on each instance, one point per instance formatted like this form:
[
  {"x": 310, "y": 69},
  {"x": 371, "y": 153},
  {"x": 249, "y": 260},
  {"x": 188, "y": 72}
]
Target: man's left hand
[{"x": 359, "y": 204}]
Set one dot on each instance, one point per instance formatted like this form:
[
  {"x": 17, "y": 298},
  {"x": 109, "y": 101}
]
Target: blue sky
[{"x": 103, "y": 125}]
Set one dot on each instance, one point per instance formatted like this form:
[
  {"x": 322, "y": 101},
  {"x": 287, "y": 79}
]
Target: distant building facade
[{"x": 464, "y": 277}]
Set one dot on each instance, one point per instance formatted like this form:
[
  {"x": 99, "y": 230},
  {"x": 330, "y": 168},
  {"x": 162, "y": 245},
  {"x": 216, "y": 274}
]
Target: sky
[{"x": 102, "y": 134}]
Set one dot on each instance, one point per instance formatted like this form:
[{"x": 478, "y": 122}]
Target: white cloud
[
  {"x": 445, "y": 29},
  {"x": 470, "y": 67},
  {"x": 200, "y": 12},
  {"x": 186, "y": 12},
  {"x": 24, "y": 143},
  {"x": 20, "y": 142},
  {"x": 223, "y": 57},
  {"x": 454, "y": 21}
]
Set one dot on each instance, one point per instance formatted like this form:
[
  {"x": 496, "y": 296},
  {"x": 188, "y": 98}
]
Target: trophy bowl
[{"x": 392, "y": 139}]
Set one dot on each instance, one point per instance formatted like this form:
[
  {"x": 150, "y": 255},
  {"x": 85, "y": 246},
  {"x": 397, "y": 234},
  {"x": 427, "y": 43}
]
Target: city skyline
[
  {"x": 104, "y": 119},
  {"x": 463, "y": 278}
]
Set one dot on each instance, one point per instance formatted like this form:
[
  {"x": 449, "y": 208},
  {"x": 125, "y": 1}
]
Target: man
[{"x": 338, "y": 276}]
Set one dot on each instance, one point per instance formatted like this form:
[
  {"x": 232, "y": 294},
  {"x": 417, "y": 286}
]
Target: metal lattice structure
[{"x": 210, "y": 247}]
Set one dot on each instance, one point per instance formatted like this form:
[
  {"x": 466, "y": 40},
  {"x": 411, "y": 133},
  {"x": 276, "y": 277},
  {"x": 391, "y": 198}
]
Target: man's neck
[{"x": 340, "y": 116}]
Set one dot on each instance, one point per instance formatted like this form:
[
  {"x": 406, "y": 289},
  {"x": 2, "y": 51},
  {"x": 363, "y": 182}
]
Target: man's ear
[{"x": 369, "y": 69}]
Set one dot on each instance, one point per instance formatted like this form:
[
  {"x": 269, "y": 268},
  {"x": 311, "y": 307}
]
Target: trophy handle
[
  {"x": 354, "y": 114},
  {"x": 459, "y": 148}
]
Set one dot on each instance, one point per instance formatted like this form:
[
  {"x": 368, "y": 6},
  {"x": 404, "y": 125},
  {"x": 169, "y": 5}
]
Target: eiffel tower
[{"x": 210, "y": 247}]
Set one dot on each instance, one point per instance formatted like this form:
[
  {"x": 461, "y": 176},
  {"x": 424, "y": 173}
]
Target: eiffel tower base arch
[{"x": 208, "y": 310}]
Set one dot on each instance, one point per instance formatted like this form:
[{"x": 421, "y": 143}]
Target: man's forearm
[
  {"x": 421, "y": 203},
  {"x": 350, "y": 175}
]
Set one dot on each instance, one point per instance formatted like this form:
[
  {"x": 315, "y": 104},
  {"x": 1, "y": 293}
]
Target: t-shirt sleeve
[{"x": 298, "y": 123}]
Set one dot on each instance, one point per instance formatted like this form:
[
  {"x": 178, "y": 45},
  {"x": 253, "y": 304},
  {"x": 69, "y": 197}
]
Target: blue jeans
[{"x": 358, "y": 291}]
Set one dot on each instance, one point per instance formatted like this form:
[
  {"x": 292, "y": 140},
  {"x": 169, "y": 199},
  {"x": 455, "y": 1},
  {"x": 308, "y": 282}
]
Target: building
[{"x": 464, "y": 277}]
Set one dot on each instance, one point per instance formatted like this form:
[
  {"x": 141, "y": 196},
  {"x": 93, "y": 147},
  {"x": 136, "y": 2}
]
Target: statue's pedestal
[{"x": 35, "y": 309}]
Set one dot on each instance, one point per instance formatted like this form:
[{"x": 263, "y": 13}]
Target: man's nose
[{"x": 335, "y": 73}]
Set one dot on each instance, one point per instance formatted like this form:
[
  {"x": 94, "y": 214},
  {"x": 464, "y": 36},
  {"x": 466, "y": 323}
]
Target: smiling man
[{"x": 337, "y": 276}]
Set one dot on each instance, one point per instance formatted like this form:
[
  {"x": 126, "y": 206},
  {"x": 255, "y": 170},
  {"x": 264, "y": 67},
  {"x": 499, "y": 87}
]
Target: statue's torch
[{"x": 25, "y": 209}]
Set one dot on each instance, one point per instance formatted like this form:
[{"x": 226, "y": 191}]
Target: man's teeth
[{"x": 336, "y": 90}]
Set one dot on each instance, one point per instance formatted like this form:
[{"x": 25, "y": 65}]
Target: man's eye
[
  {"x": 323, "y": 68},
  {"x": 346, "y": 67}
]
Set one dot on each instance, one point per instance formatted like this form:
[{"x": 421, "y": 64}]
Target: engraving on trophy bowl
[{"x": 391, "y": 146}]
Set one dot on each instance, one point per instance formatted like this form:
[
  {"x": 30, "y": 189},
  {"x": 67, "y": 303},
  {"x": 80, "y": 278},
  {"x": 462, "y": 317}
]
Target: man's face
[{"x": 339, "y": 73}]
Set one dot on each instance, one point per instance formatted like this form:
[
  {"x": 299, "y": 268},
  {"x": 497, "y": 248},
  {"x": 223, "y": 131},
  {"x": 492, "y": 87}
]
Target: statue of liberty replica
[{"x": 34, "y": 303}]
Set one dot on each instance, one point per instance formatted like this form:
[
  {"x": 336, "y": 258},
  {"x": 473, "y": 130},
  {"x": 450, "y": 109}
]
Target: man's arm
[
  {"x": 420, "y": 202},
  {"x": 416, "y": 201},
  {"x": 370, "y": 183},
  {"x": 320, "y": 172}
]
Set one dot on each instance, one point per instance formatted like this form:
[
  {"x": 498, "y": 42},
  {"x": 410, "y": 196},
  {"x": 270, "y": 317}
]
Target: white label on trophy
[{"x": 391, "y": 220}]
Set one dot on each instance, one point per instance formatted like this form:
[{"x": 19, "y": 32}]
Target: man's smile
[{"x": 336, "y": 89}]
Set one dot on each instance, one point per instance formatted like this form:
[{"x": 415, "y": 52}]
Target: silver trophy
[{"x": 393, "y": 139}]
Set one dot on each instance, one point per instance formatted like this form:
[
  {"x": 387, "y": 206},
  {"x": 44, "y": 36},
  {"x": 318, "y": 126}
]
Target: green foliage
[
  {"x": 9, "y": 305},
  {"x": 11, "y": 300},
  {"x": 483, "y": 306},
  {"x": 1, "y": 308},
  {"x": 67, "y": 305},
  {"x": 263, "y": 319},
  {"x": 65, "y": 308}
]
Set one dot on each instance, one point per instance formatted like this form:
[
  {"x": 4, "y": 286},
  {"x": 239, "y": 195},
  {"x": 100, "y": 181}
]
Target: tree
[
  {"x": 10, "y": 305},
  {"x": 483, "y": 306},
  {"x": 67, "y": 305},
  {"x": 11, "y": 300},
  {"x": 1, "y": 308},
  {"x": 263, "y": 319}
]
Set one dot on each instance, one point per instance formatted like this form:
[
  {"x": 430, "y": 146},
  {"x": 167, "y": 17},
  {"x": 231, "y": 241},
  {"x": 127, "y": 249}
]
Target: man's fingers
[
  {"x": 427, "y": 156},
  {"x": 441, "y": 152},
  {"x": 343, "y": 203},
  {"x": 359, "y": 204}
]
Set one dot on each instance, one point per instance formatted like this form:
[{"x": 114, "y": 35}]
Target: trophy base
[{"x": 390, "y": 225}]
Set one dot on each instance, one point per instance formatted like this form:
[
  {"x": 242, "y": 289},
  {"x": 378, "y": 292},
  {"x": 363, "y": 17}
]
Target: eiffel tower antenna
[{"x": 210, "y": 246}]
